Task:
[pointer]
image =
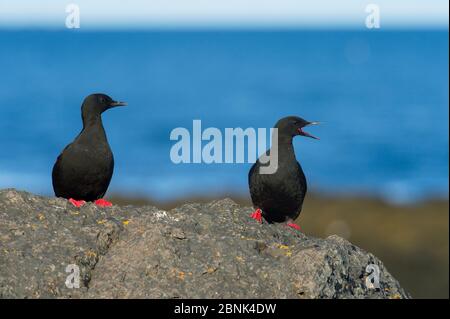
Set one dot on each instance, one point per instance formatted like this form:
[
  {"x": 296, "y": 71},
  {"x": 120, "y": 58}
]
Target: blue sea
[{"x": 382, "y": 96}]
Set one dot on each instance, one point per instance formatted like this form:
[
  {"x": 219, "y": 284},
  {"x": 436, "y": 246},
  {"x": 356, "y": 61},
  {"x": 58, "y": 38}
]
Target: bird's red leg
[
  {"x": 77, "y": 203},
  {"x": 257, "y": 214},
  {"x": 290, "y": 223},
  {"x": 103, "y": 203}
]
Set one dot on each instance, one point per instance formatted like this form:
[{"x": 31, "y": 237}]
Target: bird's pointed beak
[
  {"x": 117, "y": 103},
  {"x": 303, "y": 133}
]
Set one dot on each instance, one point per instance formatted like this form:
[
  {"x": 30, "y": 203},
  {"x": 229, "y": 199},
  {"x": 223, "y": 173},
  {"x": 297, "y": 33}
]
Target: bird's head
[
  {"x": 292, "y": 126},
  {"x": 96, "y": 104}
]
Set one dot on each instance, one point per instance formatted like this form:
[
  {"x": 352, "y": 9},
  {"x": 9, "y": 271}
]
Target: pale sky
[{"x": 224, "y": 13}]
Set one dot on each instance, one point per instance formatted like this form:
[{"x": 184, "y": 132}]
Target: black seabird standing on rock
[
  {"x": 84, "y": 169},
  {"x": 278, "y": 197}
]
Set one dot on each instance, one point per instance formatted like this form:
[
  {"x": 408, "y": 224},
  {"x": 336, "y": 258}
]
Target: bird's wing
[
  {"x": 258, "y": 183},
  {"x": 251, "y": 172}
]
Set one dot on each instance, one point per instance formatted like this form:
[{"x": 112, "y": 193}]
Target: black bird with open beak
[
  {"x": 278, "y": 196},
  {"x": 84, "y": 169}
]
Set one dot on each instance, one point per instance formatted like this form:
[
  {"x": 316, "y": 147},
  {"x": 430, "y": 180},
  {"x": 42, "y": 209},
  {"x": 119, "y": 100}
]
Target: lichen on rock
[{"x": 209, "y": 250}]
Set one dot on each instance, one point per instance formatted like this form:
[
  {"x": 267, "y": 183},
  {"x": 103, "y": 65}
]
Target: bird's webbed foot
[
  {"x": 77, "y": 203},
  {"x": 257, "y": 215},
  {"x": 102, "y": 203},
  {"x": 290, "y": 223}
]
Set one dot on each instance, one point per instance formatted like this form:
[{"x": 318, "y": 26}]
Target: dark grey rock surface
[{"x": 195, "y": 251}]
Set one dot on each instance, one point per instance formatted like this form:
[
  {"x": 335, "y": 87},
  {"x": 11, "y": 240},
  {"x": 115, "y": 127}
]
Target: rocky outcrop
[{"x": 195, "y": 251}]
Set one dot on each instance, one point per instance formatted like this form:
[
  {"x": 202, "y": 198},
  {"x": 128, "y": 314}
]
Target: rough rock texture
[{"x": 195, "y": 251}]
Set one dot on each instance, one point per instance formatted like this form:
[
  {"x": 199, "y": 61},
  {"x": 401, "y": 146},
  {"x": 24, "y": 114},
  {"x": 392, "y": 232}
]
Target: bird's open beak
[
  {"x": 303, "y": 133},
  {"x": 117, "y": 103}
]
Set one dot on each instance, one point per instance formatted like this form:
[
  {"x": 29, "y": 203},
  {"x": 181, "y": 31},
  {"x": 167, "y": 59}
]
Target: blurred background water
[{"x": 382, "y": 95}]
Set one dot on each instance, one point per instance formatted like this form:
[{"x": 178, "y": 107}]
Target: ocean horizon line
[{"x": 222, "y": 28}]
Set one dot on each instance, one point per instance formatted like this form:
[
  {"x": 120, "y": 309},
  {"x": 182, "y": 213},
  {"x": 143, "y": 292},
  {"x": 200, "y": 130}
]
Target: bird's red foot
[
  {"x": 103, "y": 203},
  {"x": 77, "y": 203},
  {"x": 293, "y": 225},
  {"x": 257, "y": 214}
]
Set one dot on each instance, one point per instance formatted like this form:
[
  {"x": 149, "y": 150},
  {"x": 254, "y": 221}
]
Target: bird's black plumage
[
  {"x": 85, "y": 167},
  {"x": 280, "y": 195}
]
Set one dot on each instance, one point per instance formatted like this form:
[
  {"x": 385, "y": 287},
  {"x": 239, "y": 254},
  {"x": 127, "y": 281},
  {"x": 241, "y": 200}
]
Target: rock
[{"x": 195, "y": 251}]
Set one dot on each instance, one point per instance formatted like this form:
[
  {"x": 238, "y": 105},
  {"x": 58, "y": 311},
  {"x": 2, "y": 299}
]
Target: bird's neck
[
  {"x": 285, "y": 148},
  {"x": 93, "y": 126},
  {"x": 92, "y": 120}
]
